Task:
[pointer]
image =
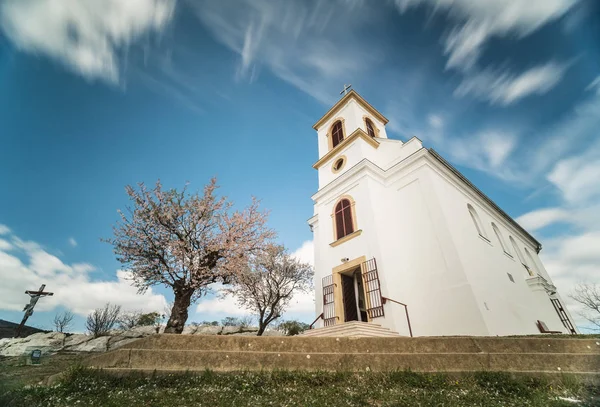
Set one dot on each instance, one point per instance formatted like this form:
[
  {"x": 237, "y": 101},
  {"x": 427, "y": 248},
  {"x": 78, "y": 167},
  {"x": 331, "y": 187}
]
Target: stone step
[
  {"x": 351, "y": 329},
  {"x": 227, "y": 360},
  {"x": 352, "y": 345},
  {"x": 353, "y": 332}
]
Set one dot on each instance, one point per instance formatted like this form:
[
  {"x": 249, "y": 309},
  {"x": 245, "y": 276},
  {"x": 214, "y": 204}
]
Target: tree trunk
[
  {"x": 179, "y": 312},
  {"x": 261, "y": 329}
]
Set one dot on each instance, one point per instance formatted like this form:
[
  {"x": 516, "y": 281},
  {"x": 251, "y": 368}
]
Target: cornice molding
[
  {"x": 358, "y": 133},
  {"x": 359, "y": 99},
  {"x": 435, "y": 161}
]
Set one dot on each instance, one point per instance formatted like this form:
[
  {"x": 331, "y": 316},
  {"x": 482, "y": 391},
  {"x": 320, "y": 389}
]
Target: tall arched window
[
  {"x": 337, "y": 133},
  {"x": 532, "y": 266},
  {"x": 343, "y": 218},
  {"x": 370, "y": 127},
  {"x": 500, "y": 238},
  {"x": 476, "y": 220},
  {"x": 520, "y": 255}
]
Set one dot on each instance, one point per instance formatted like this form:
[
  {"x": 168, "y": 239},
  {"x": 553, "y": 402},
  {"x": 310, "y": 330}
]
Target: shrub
[{"x": 293, "y": 327}]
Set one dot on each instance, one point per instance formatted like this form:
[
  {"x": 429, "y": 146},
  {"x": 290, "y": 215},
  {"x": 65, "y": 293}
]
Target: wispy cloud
[
  {"x": 85, "y": 36},
  {"x": 505, "y": 88},
  {"x": 294, "y": 40},
  {"x": 73, "y": 242},
  {"x": 541, "y": 218},
  {"x": 4, "y": 229},
  {"x": 479, "y": 21},
  {"x": 594, "y": 85}
]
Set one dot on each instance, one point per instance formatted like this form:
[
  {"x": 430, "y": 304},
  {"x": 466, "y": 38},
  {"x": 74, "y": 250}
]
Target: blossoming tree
[
  {"x": 186, "y": 241},
  {"x": 268, "y": 283}
]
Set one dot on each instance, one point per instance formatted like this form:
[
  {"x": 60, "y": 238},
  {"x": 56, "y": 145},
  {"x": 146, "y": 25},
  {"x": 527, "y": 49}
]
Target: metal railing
[
  {"x": 315, "y": 321},
  {"x": 385, "y": 299}
]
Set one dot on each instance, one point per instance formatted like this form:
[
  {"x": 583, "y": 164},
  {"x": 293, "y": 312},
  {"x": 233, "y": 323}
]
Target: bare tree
[
  {"x": 63, "y": 321},
  {"x": 102, "y": 320},
  {"x": 268, "y": 283},
  {"x": 129, "y": 319},
  {"x": 588, "y": 295},
  {"x": 186, "y": 242}
]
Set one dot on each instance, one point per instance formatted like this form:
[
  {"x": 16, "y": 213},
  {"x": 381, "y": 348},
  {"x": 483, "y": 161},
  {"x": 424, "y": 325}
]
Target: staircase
[
  {"x": 354, "y": 329},
  {"x": 531, "y": 355}
]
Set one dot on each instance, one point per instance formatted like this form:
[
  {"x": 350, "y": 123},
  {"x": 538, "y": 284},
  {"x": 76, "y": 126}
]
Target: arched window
[
  {"x": 520, "y": 255},
  {"x": 532, "y": 266},
  {"x": 343, "y": 218},
  {"x": 337, "y": 134},
  {"x": 476, "y": 220},
  {"x": 500, "y": 238},
  {"x": 370, "y": 127}
]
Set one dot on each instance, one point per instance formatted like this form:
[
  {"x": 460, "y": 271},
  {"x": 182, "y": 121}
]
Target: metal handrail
[
  {"x": 315, "y": 321},
  {"x": 385, "y": 299}
]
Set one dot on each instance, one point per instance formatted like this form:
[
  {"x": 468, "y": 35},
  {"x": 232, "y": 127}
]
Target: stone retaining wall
[{"x": 53, "y": 342}]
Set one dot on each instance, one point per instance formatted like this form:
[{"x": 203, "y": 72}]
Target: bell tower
[{"x": 349, "y": 132}]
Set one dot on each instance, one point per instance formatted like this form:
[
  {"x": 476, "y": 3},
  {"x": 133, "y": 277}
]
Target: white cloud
[
  {"x": 5, "y": 245},
  {"x": 4, "y": 229},
  {"x": 485, "y": 151},
  {"x": 301, "y": 305},
  {"x": 505, "y": 88},
  {"x": 435, "y": 121},
  {"x": 577, "y": 178},
  {"x": 306, "y": 253},
  {"x": 73, "y": 242},
  {"x": 86, "y": 36},
  {"x": 594, "y": 85},
  {"x": 479, "y": 21},
  {"x": 295, "y": 40},
  {"x": 212, "y": 307},
  {"x": 541, "y": 218},
  {"x": 28, "y": 265}
]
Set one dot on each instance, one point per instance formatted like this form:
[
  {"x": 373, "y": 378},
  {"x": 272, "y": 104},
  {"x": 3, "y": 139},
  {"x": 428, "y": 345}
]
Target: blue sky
[{"x": 97, "y": 95}]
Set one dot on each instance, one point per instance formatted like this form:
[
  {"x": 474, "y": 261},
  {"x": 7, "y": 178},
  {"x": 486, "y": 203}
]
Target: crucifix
[
  {"x": 35, "y": 296},
  {"x": 346, "y": 87}
]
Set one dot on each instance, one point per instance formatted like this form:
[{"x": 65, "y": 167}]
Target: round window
[{"x": 338, "y": 164}]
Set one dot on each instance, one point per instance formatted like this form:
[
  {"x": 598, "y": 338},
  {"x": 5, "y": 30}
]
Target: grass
[
  {"x": 16, "y": 371},
  {"x": 84, "y": 387}
]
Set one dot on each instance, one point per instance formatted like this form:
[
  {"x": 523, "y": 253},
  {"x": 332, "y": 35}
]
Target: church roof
[
  {"x": 350, "y": 95},
  {"x": 484, "y": 197}
]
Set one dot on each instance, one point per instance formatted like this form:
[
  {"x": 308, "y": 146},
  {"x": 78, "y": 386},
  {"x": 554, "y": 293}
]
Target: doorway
[{"x": 353, "y": 296}]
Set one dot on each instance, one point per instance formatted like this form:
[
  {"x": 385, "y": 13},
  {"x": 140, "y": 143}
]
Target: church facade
[{"x": 404, "y": 240}]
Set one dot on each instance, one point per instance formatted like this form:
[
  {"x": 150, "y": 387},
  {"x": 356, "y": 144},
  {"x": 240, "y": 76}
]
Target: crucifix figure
[
  {"x": 346, "y": 87},
  {"x": 35, "y": 296}
]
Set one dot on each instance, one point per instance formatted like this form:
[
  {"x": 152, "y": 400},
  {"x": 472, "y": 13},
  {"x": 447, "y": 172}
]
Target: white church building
[{"x": 402, "y": 239}]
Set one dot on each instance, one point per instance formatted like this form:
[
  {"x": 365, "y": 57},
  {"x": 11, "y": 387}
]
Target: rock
[
  {"x": 208, "y": 330},
  {"x": 190, "y": 329},
  {"x": 118, "y": 341},
  {"x": 46, "y": 342},
  {"x": 273, "y": 332},
  {"x": 4, "y": 342},
  {"x": 77, "y": 339},
  {"x": 94, "y": 345},
  {"x": 138, "y": 332},
  {"x": 229, "y": 330}
]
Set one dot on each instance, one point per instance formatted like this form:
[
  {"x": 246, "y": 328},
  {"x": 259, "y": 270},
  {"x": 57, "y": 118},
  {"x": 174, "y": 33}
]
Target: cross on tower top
[{"x": 346, "y": 87}]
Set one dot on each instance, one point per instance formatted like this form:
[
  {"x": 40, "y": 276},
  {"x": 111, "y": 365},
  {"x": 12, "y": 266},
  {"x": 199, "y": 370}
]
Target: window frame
[
  {"x": 330, "y": 132},
  {"x": 477, "y": 222},
  {"x": 369, "y": 124},
  {"x": 500, "y": 238},
  {"x": 344, "y": 216}
]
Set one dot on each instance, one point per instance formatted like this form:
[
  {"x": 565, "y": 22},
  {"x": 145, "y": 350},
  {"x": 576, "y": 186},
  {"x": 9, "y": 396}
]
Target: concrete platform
[{"x": 530, "y": 355}]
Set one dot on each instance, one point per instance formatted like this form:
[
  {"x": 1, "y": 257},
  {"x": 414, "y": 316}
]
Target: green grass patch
[{"x": 84, "y": 387}]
